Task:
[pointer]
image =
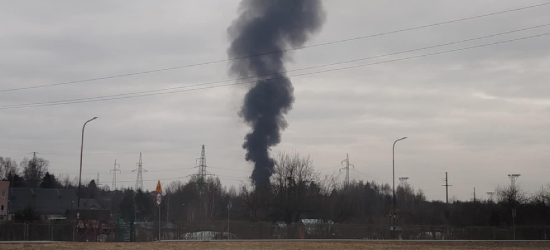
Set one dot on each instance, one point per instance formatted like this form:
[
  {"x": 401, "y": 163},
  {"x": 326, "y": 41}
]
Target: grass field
[{"x": 281, "y": 245}]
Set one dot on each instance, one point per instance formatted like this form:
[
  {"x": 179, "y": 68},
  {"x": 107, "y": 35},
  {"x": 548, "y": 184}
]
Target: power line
[
  {"x": 370, "y": 176},
  {"x": 275, "y": 52},
  {"x": 146, "y": 151},
  {"x": 110, "y": 152},
  {"x": 234, "y": 177},
  {"x": 109, "y": 97},
  {"x": 147, "y": 93},
  {"x": 230, "y": 169},
  {"x": 109, "y": 173},
  {"x": 256, "y": 77},
  {"x": 166, "y": 170},
  {"x": 172, "y": 178}
]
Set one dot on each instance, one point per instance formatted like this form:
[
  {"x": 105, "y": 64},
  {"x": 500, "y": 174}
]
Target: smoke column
[{"x": 266, "y": 26}]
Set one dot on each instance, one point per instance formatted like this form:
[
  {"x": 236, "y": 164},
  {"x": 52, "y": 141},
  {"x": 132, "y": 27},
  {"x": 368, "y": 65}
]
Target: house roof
[{"x": 47, "y": 201}]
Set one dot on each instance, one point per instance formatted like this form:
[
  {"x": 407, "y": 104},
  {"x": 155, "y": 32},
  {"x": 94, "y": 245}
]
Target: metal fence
[
  {"x": 247, "y": 230},
  {"x": 263, "y": 230},
  {"x": 35, "y": 232}
]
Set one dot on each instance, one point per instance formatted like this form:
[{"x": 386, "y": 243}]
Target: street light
[
  {"x": 229, "y": 205},
  {"x": 393, "y": 168},
  {"x": 80, "y": 175}
]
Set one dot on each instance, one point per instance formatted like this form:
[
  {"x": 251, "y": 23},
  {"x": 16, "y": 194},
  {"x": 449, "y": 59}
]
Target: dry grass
[{"x": 282, "y": 245}]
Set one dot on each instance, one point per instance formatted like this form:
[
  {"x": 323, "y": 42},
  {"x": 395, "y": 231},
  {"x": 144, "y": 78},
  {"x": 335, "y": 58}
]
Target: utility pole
[
  {"x": 229, "y": 205},
  {"x": 346, "y": 168},
  {"x": 140, "y": 170},
  {"x": 403, "y": 185},
  {"x": 447, "y": 188},
  {"x": 474, "y": 194},
  {"x": 114, "y": 171},
  {"x": 394, "y": 231},
  {"x": 97, "y": 180},
  {"x": 167, "y": 206},
  {"x": 513, "y": 178},
  {"x": 80, "y": 172}
]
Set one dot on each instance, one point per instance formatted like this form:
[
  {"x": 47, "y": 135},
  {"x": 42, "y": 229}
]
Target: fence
[
  {"x": 248, "y": 230},
  {"x": 264, "y": 230},
  {"x": 35, "y": 232}
]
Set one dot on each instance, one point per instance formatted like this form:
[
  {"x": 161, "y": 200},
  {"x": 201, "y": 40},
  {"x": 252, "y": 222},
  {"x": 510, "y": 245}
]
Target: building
[
  {"x": 4, "y": 199},
  {"x": 51, "y": 204}
]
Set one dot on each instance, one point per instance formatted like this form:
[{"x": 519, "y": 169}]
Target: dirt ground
[{"x": 281, "y": 245}]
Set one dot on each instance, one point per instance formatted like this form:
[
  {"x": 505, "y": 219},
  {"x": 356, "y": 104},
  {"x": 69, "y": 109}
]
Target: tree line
[{"x": 297, "y": 191}]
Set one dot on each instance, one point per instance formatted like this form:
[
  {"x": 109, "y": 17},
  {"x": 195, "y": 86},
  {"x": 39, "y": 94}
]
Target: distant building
[
  {"x": 4, "y": 199},
  {"x": 51, "y": 204}
]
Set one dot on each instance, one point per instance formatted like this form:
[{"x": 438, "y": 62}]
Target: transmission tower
[
  {"x": 513, "y": 178},
  {"x": 140, "y": 170},
  {"x": 403, "y": 180},
  {"x": 446, "y": 188},
  {"x": 346, "y": 168},
  {"x": 490, "y": 195},
  {"x": 114, "y": 171},
  {"x": 34, "y": 154},
  {"x": 202, "y": 172}
]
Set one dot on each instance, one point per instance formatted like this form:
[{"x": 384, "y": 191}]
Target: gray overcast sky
[{"x": 478, "y": 114}]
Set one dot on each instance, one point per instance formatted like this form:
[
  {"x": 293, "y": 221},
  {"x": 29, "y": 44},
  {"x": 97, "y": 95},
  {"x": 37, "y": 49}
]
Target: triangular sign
[{"x": 159, "y": 188}]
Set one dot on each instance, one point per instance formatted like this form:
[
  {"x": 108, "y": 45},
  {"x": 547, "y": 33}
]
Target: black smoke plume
[{"x": 266, "y": 26}]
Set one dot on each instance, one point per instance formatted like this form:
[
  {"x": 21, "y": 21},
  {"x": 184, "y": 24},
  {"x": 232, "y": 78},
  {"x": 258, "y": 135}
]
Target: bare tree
[
  {"x": 8, "y": 167},
  {"x": 2, "y": 174},
  {"x": 511, "y": 195},
  {"x": 292, "y": 180},
  {"x": 34, "y": 170}
]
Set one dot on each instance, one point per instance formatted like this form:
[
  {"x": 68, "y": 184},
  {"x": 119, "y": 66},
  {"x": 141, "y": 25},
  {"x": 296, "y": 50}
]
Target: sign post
[
  {"x": 514, "y": 221},
  {"x": 229, "y": 205},
  {"x": 159, "y": 200}
]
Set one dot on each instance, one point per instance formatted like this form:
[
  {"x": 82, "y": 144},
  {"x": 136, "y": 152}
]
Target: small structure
[
  {"x": 49, "y": 203},
  {"x": 93, "y": 224},
  {"x": 4, "y": 200}
]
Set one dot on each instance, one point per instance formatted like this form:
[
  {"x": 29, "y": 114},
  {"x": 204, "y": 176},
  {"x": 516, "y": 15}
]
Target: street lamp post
[
  {"x": 229, "y": 205},
  {"x": 80, "y": 175},
  {"x": 393, "y": 197}
]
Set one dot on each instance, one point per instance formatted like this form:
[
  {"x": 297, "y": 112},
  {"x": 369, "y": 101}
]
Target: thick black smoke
[{"x": 266, "y": 26}]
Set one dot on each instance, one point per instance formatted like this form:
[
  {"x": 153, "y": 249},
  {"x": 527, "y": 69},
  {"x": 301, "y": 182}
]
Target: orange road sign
[{"x": 159, "y": 188}]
